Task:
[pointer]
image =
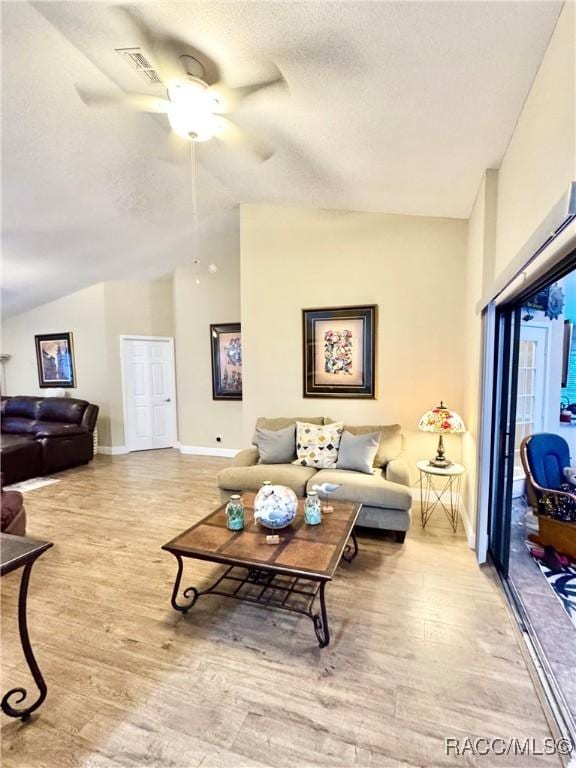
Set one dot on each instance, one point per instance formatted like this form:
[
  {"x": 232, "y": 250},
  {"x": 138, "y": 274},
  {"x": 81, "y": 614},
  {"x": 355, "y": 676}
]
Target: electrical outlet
[{"x": 218, "y": 438}]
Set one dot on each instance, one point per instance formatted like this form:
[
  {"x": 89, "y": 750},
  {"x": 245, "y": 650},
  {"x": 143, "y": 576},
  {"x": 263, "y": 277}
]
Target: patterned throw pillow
[{"x": 317, "y": 446}]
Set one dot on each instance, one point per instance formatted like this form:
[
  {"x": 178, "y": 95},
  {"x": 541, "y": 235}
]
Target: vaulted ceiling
[{"x": 392, "y": 106}]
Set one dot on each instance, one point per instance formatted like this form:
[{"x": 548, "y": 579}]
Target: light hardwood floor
[{"x": 422, "y": 645}]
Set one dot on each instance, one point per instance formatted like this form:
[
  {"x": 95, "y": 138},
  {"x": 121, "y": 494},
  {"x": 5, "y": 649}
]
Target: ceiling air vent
[{"x": 136, "y": 59}]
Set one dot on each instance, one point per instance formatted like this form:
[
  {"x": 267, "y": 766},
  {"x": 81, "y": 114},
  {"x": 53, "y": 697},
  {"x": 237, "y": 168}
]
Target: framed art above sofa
[
  {"x": 55, "y": 360},
  {"x": 339, "y": 352}
]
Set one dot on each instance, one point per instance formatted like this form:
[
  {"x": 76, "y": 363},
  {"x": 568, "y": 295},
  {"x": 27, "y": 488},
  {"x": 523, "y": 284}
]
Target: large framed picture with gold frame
[{"x": 339, "y": 352}]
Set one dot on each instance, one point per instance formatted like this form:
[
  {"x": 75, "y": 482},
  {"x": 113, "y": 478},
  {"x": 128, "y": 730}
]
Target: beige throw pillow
[
  {"x": 390, "y": 440},
  {"x": 317, "y": 446}
]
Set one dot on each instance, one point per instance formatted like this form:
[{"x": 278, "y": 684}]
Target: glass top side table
[
  {"x": 22, "y": 552},
  {"x": 447, "y": 496}
]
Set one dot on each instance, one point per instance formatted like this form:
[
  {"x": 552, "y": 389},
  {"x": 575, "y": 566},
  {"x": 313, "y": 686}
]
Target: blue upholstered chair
[{"x": 544, "y": 458}]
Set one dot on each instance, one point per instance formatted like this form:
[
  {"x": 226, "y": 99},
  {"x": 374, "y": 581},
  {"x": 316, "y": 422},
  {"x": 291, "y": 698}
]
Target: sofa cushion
[
  {"x": 21, "y": 458},
  {"x": 372, "y": 490},
  {"x": 63, "y": 409},
  {"x": 56, "y": 429},
  {"x": 285, "y": 421},
  {"x": 357, "y": 452},
  {"x": 25, "y": 407},
  {"x": 13, "y": 442},
  {"x": 276, "y": 446},
  {"x": 251, "y": 478},
  {"x": 317, "y": 446},
  {"x": 390, "y": 440},
  {"x": 17, "y": 425}
]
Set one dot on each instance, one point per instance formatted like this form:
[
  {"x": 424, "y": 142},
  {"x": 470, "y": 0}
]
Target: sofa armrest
[
  {"x": 246, "y": 458},
  {"x": 90, "y": 417},
  {"x": 397, "y": 471}
]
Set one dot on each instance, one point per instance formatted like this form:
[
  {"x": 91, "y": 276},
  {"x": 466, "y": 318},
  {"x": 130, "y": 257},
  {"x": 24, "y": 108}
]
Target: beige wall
[
  {"x": 142, "y": 307},
  {"x": 411, "y": 267},
  {"x": 540, "y": 161},
  {"x": 82, "y": 313},
  {"x": 97, "y": 316},
  {"x": 479, "y": 272},
  {"x": 215, "y": 300}
]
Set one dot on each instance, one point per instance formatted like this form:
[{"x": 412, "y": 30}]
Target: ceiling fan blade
[
  {"x": 231, "y": 97},
  {"x": 139, "y": 102},
  {"x": 231, "y": 134}
]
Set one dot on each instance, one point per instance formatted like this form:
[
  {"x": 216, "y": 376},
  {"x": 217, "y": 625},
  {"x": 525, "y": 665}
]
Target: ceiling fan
[{"x": 198, "y": 104}]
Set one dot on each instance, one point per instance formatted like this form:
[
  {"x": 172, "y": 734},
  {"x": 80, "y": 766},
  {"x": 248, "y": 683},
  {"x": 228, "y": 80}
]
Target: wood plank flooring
[{"x": 422, "y": 646}]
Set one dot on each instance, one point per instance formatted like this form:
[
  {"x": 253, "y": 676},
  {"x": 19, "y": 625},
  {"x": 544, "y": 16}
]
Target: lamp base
[
  {"x": 440, "y": 463},
  {"x": 440, "y": 459}
]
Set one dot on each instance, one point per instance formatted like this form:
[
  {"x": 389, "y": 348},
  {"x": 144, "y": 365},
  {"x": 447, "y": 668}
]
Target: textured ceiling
[{"x": 393, "y": 106}]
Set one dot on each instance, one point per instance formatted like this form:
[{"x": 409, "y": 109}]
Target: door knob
[{"x": 168, "y": 400}]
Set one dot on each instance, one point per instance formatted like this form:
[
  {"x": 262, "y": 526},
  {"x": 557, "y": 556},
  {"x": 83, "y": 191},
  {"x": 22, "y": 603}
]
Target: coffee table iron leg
[
  {"x": 7, "y": 708},
  {"x": 351, "y": 550},
  {"x": 190, "y": 591},
  {"x": 321, "y": 621}
]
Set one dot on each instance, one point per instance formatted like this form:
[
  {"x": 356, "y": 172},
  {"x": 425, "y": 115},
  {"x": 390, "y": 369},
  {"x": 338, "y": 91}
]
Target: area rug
[
  {"x": 560, "y": 573},
  {"x": 31, "y": 485}
]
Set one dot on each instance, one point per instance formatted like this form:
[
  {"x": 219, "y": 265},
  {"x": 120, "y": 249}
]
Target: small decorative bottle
[
  {"x": 235, "y": 514},
  {"x": 312, "y": 509}
]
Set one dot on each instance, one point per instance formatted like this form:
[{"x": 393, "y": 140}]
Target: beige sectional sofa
[{"x": 385, "y": 495}]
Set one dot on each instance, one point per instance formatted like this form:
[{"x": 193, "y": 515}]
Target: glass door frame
[
  {"x": 503, "y": 433},
  {"x": 503, "y": 419}
]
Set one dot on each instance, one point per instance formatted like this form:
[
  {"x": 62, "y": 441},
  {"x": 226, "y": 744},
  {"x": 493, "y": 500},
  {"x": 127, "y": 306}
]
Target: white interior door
[
  {"x": 149, "y": 392},
  {"x": 531, "y": 396}
]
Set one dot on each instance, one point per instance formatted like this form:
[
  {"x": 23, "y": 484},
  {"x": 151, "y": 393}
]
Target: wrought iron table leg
[
  {"x": 190, "y": 591},
  {"x": 24, "y": 712},
  {"x": 321, "y": 621},
  {"x": 350, "y": 551}
]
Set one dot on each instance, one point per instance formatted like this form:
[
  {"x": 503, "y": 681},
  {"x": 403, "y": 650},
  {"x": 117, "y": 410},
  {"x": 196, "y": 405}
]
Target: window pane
[
  {"x": 530, "y": 353},
  {"x": 521, "y": 381},
  {"x": 522, "y": 358}
]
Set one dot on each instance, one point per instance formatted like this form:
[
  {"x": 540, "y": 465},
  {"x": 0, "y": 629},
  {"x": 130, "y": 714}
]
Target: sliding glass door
[{"x": 503, "y": 433}]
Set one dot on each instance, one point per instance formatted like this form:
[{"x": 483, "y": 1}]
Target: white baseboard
[
  {"x": 200, "y": 450},
  {"x": 112, "y": 450},
  {"x": 464, "y": 517}
]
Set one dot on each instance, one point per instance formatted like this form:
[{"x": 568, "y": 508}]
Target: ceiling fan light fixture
[{"x": 191, "y": 114}]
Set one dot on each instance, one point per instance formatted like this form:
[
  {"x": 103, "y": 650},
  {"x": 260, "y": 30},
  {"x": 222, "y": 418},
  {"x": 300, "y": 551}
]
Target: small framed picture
[
  {"x": 339, "y": 352},
  {"x": 55, "y": 359},
  {"x": 226, "y": 341}
]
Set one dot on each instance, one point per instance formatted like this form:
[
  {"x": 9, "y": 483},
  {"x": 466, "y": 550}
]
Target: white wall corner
[
  {"x": 468, "y": 527},
  {"x": 201, "y": 450},
  {"x": 112, "y": 450}
]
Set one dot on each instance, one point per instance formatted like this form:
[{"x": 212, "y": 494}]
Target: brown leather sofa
[{"x": 42, "y": 435}]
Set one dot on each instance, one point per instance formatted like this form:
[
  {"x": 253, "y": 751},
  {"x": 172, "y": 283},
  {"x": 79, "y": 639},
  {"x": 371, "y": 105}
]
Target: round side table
[{"x": 447, "y": 497}]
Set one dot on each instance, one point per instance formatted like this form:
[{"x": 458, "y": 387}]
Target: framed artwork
[
  {"x": 55, "y": 359},
  {"x": 226, "y": 340},
  {"x": 339, "y": 352}
]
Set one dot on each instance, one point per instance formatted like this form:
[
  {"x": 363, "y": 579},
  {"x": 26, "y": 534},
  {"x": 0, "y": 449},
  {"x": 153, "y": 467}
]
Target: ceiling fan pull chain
[{"x": 194, "y": 200}]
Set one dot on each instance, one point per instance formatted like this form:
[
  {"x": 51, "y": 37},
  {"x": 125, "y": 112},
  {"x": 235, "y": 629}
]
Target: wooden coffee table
[{"x": 289, "y": 575}]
